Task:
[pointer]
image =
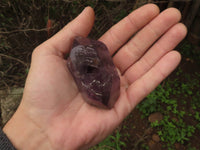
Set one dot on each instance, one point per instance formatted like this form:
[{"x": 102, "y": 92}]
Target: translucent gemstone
[{"x": 94, "y": 72}]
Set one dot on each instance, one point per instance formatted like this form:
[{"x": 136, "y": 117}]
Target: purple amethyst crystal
[{"x": 94, "y": 72}]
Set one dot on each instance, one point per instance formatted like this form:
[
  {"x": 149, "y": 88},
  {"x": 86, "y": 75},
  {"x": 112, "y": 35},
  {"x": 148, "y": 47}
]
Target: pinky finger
[{"x": 149, "y": 81}]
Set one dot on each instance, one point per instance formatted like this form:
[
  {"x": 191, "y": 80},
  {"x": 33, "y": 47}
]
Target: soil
[
  {"x": 19, "y": 44},
  {"x": 140, "y": 132}
]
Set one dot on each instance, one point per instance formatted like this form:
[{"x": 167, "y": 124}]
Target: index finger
[{"x": 121, "y": 32}]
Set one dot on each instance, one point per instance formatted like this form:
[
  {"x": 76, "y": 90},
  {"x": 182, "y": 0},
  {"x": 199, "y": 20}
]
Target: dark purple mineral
[{"x": 94, "y": 72}]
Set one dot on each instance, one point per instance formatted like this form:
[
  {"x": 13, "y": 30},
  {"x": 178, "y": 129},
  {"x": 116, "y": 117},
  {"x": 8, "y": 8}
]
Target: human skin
[{"x": 53, "y": 115}]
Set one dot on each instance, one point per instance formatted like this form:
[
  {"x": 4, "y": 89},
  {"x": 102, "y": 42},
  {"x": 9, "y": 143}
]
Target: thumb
[{"x": 80, "y": 26}]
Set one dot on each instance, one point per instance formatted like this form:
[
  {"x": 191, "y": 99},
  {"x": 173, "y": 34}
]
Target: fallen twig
[
  {"x": 23, "y": 30},
  {"x": 16, "y": 59},
  {"x": 162, "y": 1}
]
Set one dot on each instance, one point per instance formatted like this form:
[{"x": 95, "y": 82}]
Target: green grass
[
  {"x": 172, "y": 98},
  {"x": 188, "y": 51},
  {"x": 112, "y": 142},
  {"x": 175, "y": 98}
]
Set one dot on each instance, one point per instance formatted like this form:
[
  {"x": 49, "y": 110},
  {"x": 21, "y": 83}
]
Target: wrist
[{"x": 25, "y": 134}]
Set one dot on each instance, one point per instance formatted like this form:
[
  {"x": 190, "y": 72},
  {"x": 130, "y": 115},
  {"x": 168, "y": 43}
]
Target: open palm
[{"x": 51, "y": 99}]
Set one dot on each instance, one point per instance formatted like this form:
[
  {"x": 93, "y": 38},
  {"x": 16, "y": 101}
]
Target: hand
[{"x": 53, "y": 115}]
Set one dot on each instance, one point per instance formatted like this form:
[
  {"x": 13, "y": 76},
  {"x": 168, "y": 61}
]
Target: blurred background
[{"x": 169, "y": 118}]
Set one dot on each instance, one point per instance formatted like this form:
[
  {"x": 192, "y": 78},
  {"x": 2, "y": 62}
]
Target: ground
[
  {"x": 176, "y": 99},
  {"x": 180, "y": 132}
]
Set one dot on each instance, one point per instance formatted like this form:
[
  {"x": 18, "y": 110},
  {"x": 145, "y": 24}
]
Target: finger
[
  {"x": 80, "y": 26},
  {"x": 165, "y": 44},
  {"x": 138, "y": 45},
  {"x": 148, "y": 82},
  {"x": 131, "y": 96},
  {"x": 117, "y": 35}
]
